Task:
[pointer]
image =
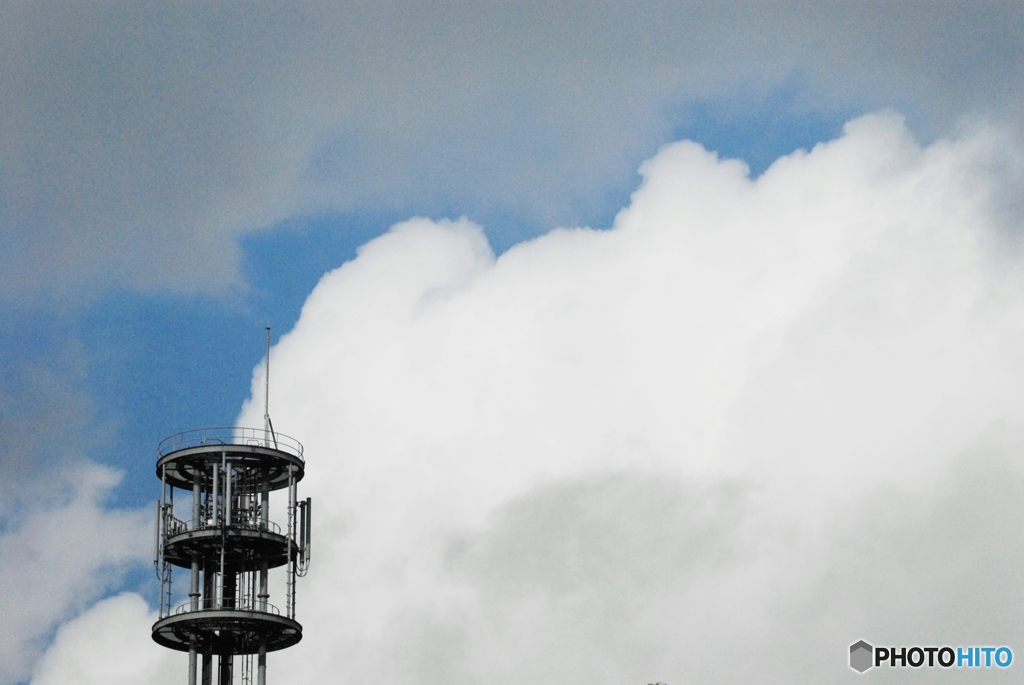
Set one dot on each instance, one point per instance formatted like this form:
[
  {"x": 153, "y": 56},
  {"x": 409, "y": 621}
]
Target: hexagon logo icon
[{"x": 861, "y": 654}]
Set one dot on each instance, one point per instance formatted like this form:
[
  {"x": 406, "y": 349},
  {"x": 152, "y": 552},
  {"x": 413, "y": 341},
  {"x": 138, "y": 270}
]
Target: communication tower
[{"x": 229, "y": 546}]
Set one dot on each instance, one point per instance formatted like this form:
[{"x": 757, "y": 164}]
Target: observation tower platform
[{"x": 229, "y": 546}]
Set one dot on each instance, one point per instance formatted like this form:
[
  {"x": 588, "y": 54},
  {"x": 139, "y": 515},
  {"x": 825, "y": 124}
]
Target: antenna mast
[{"x": 267, "y": 428}]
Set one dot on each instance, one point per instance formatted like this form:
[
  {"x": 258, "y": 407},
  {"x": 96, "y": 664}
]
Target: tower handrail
[
  {"x": 176, "y": 526},
  {"x": 230, "y": 435},
  {"x": 239, "y": 604}
]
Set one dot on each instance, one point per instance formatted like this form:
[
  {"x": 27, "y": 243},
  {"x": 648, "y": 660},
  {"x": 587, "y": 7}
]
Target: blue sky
[
  {"x": 153, "y": 364},
  {"x": 176, "y": 178}
]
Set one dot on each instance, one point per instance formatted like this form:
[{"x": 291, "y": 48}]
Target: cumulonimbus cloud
[
  {"x": 732, "y": 423},
  {"x": 752, "y": 423}
]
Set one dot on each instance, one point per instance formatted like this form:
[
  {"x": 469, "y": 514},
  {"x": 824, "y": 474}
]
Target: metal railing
[
  {"x": 230, "y": 435},
  {"x": 241, "y": 519},
  {"x": 174, "y": 526},
  {"x": 250, "y": 518},
  {"x": 238, "y": 604}
]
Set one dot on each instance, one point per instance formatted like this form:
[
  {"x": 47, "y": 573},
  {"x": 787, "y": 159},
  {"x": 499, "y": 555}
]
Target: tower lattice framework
[{"x": 229, "y": 545}]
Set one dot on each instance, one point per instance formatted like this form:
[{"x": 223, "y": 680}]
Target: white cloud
[
  {"x": 137, "y": 144},
  {"x": 753, "y": 423},
  {"x": 109, "y": 644},
  {"x": 58, "y": 552}
]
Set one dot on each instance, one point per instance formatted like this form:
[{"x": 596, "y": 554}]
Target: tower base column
[{"x": 192, "y": 660}]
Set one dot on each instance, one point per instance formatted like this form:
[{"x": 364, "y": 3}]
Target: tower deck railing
[
  {"x": 237, "y": 604},
  {"x": 230, "y": 435},
  {"x": 176, "y": 526}
]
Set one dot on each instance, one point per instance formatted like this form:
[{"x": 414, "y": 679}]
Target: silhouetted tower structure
[{"x": 229, "y": 546}]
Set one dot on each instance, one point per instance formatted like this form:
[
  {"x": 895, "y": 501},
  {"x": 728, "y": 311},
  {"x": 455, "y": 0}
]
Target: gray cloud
[
  {"x": 599, "y": 532},
  {"x": 631, "y": 579},
  {"x": 139, "y": 139}
]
